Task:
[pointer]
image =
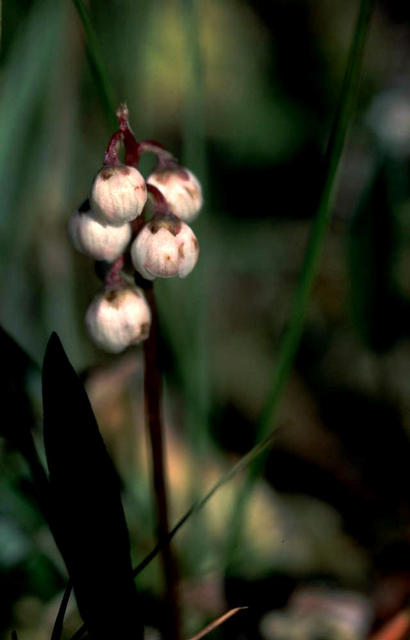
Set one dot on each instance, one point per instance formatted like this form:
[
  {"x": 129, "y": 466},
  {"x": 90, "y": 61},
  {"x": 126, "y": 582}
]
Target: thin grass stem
[
  {"x": 195, "y": 365},
  {"x": 293, "y": 332},
  {"x": 97, "y": 66},
  {"x": 59, "y": 621},
  {"x": 241, "y": 465}
]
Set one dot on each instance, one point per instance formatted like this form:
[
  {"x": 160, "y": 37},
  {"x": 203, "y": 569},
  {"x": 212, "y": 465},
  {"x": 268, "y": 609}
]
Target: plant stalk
[
  {"x": 152, "y": 394},
  {"x": 255, "y": 459}
]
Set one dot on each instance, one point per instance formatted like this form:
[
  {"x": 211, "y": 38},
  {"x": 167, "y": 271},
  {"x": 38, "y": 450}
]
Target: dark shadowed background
[{"x": 244, "y": 93}]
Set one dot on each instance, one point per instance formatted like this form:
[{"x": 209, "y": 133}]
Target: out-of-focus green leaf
[
  {"x": 92, "y": 532},
  {"x": 25, "y": 73},
  {"x": 377, "y": 308},
  {"x": 18, "y": 417},
  {"x": 14, "y": 545}
]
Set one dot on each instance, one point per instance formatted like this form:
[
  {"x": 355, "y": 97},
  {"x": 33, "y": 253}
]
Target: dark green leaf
[
  {"x": 93, "y": 537},
  {"x": 18, "y": 417}
]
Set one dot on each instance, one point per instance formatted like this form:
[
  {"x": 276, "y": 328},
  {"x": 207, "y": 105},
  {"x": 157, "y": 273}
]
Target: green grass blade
[
  {"x": 332, "y": 162},
  {"x": 196, "y": 288},
  {"x": 97, "y": 65},
  {"x": 24, "y": 78},
  {"x": 244, "y": 462},
  {"x": 292, "y": 336},
  {"x": 25, "y": 83}
]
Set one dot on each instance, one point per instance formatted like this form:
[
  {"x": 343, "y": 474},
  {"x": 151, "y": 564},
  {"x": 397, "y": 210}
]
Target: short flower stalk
[{"x": 112, "y": 228}]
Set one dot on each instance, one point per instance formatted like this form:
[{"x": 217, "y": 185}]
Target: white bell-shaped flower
[
  {"x": 181, "y": 189},
  {"x": 118, "y": 318},
  {"x": 118, "y": 194},
  {"x": 98, "y": 240},
  {"x": 165, "y": 248}
]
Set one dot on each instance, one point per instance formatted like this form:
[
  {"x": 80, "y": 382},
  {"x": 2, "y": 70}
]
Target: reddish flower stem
[
  {"x": 111, "y": 153},
  {"x": 152, "y": 392},
  {"x": 152, "y": 377},
  {"x": 122, "y": 116},
  {"x": 113, "y": 277},
  {"x": 161, "y": 205},
  {"x": 165, "y": 159},
  {"x": 134, "y": 149},
  {"x": 137, "y": 224}
]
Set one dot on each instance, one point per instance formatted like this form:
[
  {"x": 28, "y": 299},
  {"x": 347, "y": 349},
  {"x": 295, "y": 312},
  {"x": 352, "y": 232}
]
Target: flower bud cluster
[
  {"x": 102, "y": 231},
  {"x": 112, "y": 223}
]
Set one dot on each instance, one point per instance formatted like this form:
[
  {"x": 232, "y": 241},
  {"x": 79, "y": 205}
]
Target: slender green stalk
[
  {"x": 241, "y": 465},
  {"x": 292, "y": 336},
  {"x": 97, "y": 65},
  {"x": 194, "y": 361},
  {"x": 194, "y": 156},
  {"x": 59, "y": 621},
  {"x": 193, "y": 125},
  {"x": 320, "y": 224}
]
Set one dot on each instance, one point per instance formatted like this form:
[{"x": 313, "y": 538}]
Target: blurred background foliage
[{"x": 244, "y": 92}]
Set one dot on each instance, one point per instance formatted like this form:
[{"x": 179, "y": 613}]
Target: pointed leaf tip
[
  {"x": 54, "y": 340},
  {"x": 54, "y": 346}
]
